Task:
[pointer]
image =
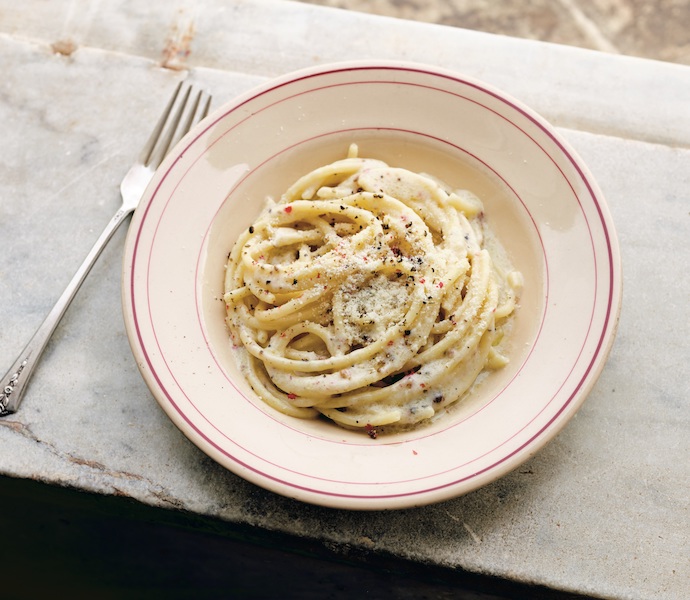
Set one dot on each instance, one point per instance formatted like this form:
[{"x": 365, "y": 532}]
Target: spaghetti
[{"x": 368, "y": 294}]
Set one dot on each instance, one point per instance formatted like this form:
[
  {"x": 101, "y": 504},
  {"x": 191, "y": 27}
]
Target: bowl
[{"x": 540, "y": 200}]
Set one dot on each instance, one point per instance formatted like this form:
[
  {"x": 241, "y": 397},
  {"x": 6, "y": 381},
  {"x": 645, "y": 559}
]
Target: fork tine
[
  {"x": 192, "y": 116},
  {"x": 147, "y": 150},
  {"x": 206, "y": 107},
  {"x": 204, "y": 100},
  {"x": 161, "y": 149}
]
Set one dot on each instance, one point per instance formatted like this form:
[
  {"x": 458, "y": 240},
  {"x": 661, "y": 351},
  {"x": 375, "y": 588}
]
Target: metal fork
[{"x": 183, "y": 111}]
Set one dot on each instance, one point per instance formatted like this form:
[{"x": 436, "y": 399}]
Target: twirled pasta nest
[{"x": 366, "y": 294}]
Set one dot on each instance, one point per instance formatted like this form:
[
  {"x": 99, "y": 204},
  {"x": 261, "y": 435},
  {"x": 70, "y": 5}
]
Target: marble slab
[
  {"x": 602, "y": 510},
  {"x": 648, "y": 28},
  {"x": 572, "y": 87}
]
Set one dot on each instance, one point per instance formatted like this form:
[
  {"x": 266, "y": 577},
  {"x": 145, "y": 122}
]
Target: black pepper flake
[
  {"x": 294, "y": 282},
  {"x": 438, "y": 398},
  {"x": 407, "y": 332},
  {"x": 251, "y": 229}
]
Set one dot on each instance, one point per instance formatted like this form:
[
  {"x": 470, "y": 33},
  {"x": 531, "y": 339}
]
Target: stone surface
[
  {"x": 613, "y": 94},
  {"x": 602, "y": 510},
  {"x": 643, "y": 28}
]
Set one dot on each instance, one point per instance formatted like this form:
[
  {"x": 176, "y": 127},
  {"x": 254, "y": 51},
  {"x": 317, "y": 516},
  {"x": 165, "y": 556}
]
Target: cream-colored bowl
[{"x": 539, "y": 198}]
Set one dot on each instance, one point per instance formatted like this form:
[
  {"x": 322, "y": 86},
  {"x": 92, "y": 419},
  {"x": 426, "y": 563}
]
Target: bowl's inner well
[{"x": 506, "y": 215}]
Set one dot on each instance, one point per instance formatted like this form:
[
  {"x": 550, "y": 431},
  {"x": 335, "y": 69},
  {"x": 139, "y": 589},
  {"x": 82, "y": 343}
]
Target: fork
[{"x": 184, "y": 110}]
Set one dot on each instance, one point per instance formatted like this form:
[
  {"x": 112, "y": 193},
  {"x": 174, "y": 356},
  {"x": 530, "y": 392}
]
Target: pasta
[{"x": 368, "y": 294}]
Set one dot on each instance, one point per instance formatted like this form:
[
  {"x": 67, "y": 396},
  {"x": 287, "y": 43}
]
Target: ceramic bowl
[{"x": 539, "y": 198}]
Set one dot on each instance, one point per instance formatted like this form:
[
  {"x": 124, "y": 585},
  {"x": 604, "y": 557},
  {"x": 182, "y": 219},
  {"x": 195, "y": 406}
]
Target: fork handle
[{"x": 13, "y": 384}]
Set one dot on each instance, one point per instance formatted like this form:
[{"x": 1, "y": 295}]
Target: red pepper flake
[
  {"x": 440, "y": 284},
  {"x": 414, "y": 452},
  {"x": 422, "y": 280},
  {"x": 292, "y": 396},
  {"x": 288, "y": 209},
  {"x": 391, "y": 342},
  {"x": 371, "y": 430}
]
